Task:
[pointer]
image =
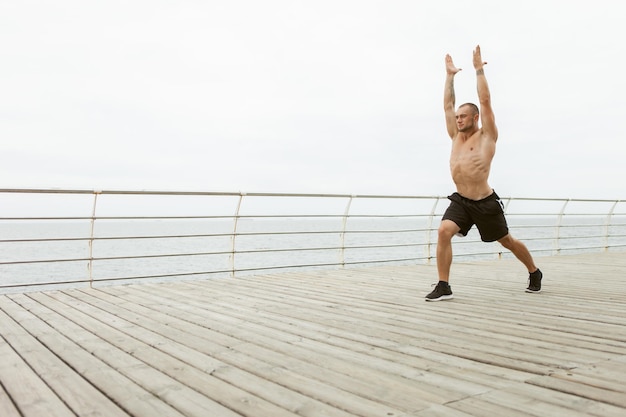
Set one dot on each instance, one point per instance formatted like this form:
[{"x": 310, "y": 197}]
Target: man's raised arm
[
  {"x": 449, "y": 98},
  {"x": 487, "y": 117}
]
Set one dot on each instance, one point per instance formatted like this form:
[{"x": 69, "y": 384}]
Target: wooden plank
[
  {"x": 479, "y": 407},
  {"x": 95, "y": 372},
  {"x": 192, "y": 391},
  {"x": 353, "y": 394},
  {"x": 70, "y": 386},
  {"x": 176, "y": 396},
  {"x": 30, "y": 394},
  {"x": 367, "y": 346},
  {"x": 608, "y": 374},
  {"x": 7, "y": 408},
  {"x": 442, "y": 411},
  {"x": 539, "y": 401},
  {"x": 584, "y": 388},
  {"x": 155, "y": 329}
]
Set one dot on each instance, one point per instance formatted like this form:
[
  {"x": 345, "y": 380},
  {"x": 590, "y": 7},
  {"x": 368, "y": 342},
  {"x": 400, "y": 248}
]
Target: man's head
[{"x": 467, "y": 117}]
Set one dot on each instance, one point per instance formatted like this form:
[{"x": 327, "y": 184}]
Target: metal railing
[{"x": 84, "y": 237}]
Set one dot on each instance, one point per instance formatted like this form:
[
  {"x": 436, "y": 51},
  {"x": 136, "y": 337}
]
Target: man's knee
[
  {"x": 447, "y": 229},
  {"x": 507, "y": 241}
]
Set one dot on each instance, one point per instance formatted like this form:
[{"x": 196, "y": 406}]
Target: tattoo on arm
[
  {"x": 480, "y": 72},
  {"x": 451, "y": 92}
]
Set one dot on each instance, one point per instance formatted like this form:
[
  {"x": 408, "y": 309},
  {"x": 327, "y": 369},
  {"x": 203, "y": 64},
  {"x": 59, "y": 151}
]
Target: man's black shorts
[{"x": 487, "y": 214}]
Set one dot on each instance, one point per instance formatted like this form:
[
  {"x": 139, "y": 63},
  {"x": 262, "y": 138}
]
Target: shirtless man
[{"x": 475, "y": 202}]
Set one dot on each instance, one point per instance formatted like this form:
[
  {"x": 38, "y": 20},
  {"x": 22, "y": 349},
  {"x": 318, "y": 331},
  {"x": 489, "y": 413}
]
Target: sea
[{"x": 38, "y": 253}]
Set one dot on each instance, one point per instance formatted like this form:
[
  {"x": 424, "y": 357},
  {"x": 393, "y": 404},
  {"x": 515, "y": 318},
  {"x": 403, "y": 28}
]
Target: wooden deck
[{"x": 354, "y": 342}]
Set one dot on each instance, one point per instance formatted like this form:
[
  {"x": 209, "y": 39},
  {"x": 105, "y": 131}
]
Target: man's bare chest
[{"x": 471, "y": 154}]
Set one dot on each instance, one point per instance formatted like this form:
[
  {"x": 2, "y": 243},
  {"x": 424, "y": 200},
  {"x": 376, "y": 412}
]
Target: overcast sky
[{"x": 339, "y": 96}]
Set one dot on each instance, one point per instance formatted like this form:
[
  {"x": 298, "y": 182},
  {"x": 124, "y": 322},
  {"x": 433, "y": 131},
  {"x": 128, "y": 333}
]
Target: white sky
[{"x": 339, "y": 96}]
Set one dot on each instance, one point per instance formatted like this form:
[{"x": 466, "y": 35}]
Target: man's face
[{"x": 465, "y": 119}]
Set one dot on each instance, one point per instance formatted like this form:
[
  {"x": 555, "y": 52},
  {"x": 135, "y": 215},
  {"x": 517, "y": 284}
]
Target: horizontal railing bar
[
  {"x": 581, "y": 226},
  {"x": 71, "y": 239},
  {"x": 169, "y": 255},
  {"x": 531, "y": 226},
  {"x": 308, "y": 232},
  {"x": 392, "y": 245},
  {"x": 313, "y": 232},
  {"x": 190, "y": 254},
  {"x": 43, "y": 261},
  {"x": 313, "y": 265},
  {"x": 281, "y": 216},
  {"x": 51, "y": 239},
  {"x": 139, "y": 277},
  {"x": 141, "y": 237},
  {"x": 322, "y": 232},
  {"x": 534, "y": 214},
  {"x": 121, "y": 218},
  {"x": 548, "y": 214},
  {"x": 267, "y": 194},
  {"x": 97, "y": 238},
  {"x": 386, "y": 261},
  {"x": 387, "y": 231},
  {"x": 114, "y": 192},
  {"x": 74, "y": 239},
  {"x": 549, "y": 250},
  {"x": 586, "y": 248},
  {"x": 571, "y": 200},
  {"x": 44, "y": 191},
  {"x": 216, "y": 217},
  {"x": 212, "y": 217},
  {"x": 204, "y": 193},
  {"x": 116, "y": 258},
  {"x": 43, "y": 218},
  {"x": 357, "y": 262},
  {"x": 352, "y": 216},
  {"x": 330, "y": 248},
  {"x": 42, "y": 284},
  {"x": 567, "y": 236}
]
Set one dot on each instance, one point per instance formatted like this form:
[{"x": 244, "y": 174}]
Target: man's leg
[
  {"x": 520, "y": 251},
  {"x": 442, "y": 291},
  {"x": 447, "y": 230}
]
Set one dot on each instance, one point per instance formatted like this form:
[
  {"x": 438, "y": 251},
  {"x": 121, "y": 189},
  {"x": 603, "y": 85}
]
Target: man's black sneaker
[
  {"x": 534, "y": 281},
  {"x": 441, "y": 292}
]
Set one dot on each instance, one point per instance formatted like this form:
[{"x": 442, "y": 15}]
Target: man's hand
[
  {"x": 478, "y": 60},
  {"x": 450, "y": 68}
]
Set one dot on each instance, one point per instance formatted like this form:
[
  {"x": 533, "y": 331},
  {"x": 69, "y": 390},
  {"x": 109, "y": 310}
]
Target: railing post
[
  {"x": 505, "y": 208},
  {"x": 557, "y": 246},
  {"x": 234, "y": 235},
  {"x": 92, "y": 236},
  {"x": 430, "y": 226},
  {"x": 607, "y": 224},
  {"x": 342, "y": 237}
]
